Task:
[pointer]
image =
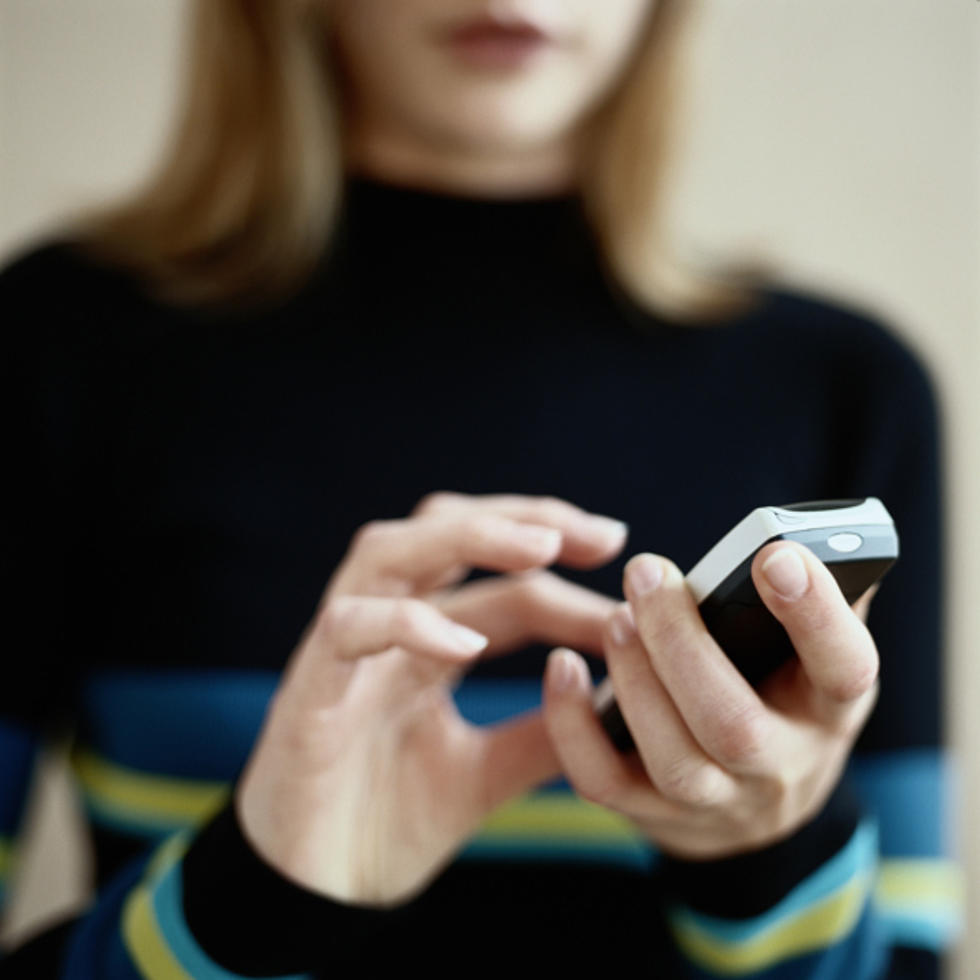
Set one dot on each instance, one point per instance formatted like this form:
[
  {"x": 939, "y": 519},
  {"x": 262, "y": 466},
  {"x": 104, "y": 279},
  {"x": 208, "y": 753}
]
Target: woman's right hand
[{"x": 365, "y": 780}]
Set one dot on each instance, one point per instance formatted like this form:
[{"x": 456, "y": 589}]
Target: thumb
[{"x": 518, "y": 756}]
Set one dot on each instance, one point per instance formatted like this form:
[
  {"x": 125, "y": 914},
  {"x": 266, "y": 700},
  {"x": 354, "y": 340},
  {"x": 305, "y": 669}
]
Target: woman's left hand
[{"x": 720, "y": 768}]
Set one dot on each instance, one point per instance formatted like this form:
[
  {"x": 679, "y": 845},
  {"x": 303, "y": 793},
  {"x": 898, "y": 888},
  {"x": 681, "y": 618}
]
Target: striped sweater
[{"x": 183, "y": 483}]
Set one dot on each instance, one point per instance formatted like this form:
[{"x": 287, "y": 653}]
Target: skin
[
  {"x": 418, "y": 115},
  {"x": 365, "y": 780},
  {"x": 720, "y": 768}
]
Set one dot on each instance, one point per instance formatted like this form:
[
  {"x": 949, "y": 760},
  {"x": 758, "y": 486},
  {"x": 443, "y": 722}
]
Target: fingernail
[
  {"x": 645, "y": 574},
  {"x": 609, "y": 527},
  {"x": 785, "y": 572},
  {"x": 621, "y": 625},
  {"x": 469, "y": 641},
  {"x": 563, "y": 670}
]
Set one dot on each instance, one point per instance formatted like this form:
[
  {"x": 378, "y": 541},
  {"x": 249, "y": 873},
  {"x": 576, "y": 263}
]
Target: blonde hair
[{"x": 246, "y": 200}]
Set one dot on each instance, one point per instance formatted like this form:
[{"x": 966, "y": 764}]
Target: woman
[{"x": 328, "y": 307}]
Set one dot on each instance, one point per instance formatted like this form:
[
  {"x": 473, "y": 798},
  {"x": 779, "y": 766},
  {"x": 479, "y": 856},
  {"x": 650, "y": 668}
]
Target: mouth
[{"x": 489, "y": 42}]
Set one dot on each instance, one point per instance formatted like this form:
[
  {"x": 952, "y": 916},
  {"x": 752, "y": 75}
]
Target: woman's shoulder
[
  {"x": 53, "y": 269},
  {"x": 60, "y": 299},
  {"x": 53, "y": 291},
  {"x": 853, "y": 344}
]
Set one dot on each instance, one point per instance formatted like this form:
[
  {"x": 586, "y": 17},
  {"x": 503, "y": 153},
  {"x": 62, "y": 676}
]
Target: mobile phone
[{"x": 855, "y": 539}]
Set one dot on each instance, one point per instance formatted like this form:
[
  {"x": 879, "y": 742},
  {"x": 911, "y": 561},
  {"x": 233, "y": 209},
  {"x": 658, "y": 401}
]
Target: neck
[{"x": 475, "y": 171}]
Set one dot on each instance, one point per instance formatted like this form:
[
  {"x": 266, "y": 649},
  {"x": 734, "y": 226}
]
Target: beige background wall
[{"x": 840, "y": 138}]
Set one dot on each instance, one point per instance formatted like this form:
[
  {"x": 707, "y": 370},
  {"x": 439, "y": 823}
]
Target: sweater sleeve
[
  {"x": 901, "y": 765},
  {"x": 204, "y": 905},
  {"x": 869, "y": 888},
  {"x": 58, "y": 423},
  {"x": 35, "y": 691}
]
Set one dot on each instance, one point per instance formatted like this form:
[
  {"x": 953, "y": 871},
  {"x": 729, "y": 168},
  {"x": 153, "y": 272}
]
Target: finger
[
  {"x": 833, "y": 644},
  {"x": 722, "y": 711},
  {"x": 514, "y": 611},
  {"x": 350, "y": 628},
  {"x": 519, "y": 756},
  {"x": 863, "y": 606},
  {"x": 672, "y": 757},
  {"x": 588, "y": 539},
  {"x": 590, "y": 762},
  {"x": 357, "y": 626},
  {"x": 400, "y": 557}
]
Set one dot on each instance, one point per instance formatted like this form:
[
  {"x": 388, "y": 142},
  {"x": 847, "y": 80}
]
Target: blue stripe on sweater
[
  {"x": 95, "y": 948},
  {"x": 196, "y": 724},
  {"x": 910, "y": 795},
  {"x": 202, "y": 724},
  {"x": 18, "y": 749}
]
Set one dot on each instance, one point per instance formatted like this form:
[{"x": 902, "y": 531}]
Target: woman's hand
[
  {"x": 365, "y": 779},
  {"x": 720, "y": 768}
]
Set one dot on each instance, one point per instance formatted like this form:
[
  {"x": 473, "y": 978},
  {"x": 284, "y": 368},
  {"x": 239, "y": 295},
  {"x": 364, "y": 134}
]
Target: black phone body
[{"x": 855, "y": 539}]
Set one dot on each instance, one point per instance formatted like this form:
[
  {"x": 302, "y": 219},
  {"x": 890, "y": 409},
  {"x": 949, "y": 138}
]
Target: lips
[
  {"x": 487, "y": 29},
  {"x": 486, "y": 42}
]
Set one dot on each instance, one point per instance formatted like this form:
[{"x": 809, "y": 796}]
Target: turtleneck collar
[
  {"x": 360, "y": 186},
  {"x": 397, "y": 222}
]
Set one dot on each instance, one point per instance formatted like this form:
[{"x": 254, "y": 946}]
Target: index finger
[
  {"x": 724, "y": 713},
  {"x": 863, "y": 605},
  {"x": 513, "y": 611},
  {"x": 588, "y": 539},
  {"x": 403, "y": 557}
]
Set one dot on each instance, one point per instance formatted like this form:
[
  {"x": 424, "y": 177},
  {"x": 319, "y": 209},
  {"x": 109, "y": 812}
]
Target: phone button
[{"x": 846, "y": 541}]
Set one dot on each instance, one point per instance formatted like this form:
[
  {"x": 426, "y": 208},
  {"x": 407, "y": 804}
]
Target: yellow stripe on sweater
[
  {"x": 145, "y": 943},
  {"x": 910, "y": 882},
  {"x": 557, "y": 817},
  {"x": 131, "y": 795},
  {"x": 819, "y": 926},
  {"x": 140, "y": 930},
  {"x": 6, "y": 856}
]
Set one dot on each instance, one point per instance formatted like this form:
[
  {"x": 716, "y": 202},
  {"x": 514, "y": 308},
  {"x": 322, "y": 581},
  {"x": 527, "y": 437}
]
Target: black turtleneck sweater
[{"x": 181, "y": 485}]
